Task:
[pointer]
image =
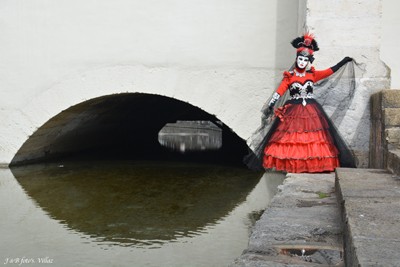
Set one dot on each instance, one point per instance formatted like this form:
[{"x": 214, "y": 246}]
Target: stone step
[{"x": 370, "y": 205}]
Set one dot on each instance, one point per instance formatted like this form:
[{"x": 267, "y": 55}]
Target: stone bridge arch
[{"x": 83, "y": 111}]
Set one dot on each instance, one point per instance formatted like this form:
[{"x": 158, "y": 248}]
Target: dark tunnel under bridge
[{"x": 123, "y": 126}]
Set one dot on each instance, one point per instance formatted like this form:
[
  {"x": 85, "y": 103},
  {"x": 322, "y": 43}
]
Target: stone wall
[
  {"x": 385, "y": 130},
  {"x": 351, "y": 28},
  {"x": 220, "y": 56}
]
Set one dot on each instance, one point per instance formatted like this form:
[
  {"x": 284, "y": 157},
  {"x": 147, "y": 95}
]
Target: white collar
[{"x": 300, "y": 74}]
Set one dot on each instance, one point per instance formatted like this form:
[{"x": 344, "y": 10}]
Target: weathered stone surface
[
  {"x": 393, "y": 138},
  {"x": 377, "y": 142},
  {"x": 301, "y": 227},
  {"x": 303, "y": 215},
  {"x": 394, "y": 161},
  {"x": 376, "y": 106},
  {"x": 258, "y": 260},
  {"x": 365, "y": 183},
  {"x": 373, "y": 217},
  {"x": 392, "y": 117},
  {"x": 385, "y": 129},
  {"x": 371, "y": 214},
  {"x": 379, "y": 254},
  {"x": 391, "y": 98},
  {"x": 370, "y": 201}
]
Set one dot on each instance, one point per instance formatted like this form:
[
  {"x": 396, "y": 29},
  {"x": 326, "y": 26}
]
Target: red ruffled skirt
[{"x": 301, "y": 141}]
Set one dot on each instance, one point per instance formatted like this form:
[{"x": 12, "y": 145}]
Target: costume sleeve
[
  {"x": 284, "y": 84},
  {"x": 322, "y": 74}
]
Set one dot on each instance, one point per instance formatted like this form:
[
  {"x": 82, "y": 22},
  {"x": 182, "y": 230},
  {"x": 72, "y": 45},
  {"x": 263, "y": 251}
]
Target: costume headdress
[{"x": 306, "y": 45}]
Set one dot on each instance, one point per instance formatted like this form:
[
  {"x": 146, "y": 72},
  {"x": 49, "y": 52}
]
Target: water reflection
[
  {"x": 37, "y": 222},
  {"x": 186, "y": 136},
  {"x": 131, "y": 203}
]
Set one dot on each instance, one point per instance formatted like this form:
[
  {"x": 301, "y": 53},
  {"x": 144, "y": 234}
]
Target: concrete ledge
[
  {"x": 393, "y": 164},
  {"x": 303, "y": 215},
  {"x": 370, "y": 203}
]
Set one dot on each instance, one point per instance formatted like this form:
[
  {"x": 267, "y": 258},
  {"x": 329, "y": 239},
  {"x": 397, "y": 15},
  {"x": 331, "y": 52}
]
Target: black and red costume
[{"x": 302, "y": 138}]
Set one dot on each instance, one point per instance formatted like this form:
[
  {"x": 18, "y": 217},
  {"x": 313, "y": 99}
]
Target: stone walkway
[
  {"x": 303, "y": 215},
  {"x": 303, "y": 225},
  {"x": 371, "y": 212}
]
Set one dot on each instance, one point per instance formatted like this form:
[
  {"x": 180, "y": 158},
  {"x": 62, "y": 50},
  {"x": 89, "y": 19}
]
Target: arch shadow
[
  {"x": 122, "y": 126},
  {"x": 141, "y": 199}
]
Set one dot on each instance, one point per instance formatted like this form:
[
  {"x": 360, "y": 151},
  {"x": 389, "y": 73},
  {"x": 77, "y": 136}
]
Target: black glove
[{"x": 341, "y": 63}]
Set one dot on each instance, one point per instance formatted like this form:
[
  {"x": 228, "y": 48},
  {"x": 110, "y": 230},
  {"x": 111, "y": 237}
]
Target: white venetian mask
[{"x": 302, "y": 62}]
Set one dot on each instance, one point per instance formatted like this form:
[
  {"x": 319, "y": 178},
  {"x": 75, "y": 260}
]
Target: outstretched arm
[
  {"x": 341, "y": 63},
  {"x": 322, "y": 74}
]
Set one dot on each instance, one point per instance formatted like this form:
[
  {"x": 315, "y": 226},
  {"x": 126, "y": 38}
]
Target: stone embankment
[
  {"x": 301, "y": 226},
  {"x": 370, "y": 200},
  {"x": 347, "y": 218}
]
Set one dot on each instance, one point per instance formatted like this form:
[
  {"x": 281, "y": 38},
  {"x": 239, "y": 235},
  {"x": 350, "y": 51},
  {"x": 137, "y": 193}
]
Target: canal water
[{"x": 129, "y": 213}]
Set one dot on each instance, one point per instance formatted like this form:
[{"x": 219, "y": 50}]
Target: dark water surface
[{"x": 122, "y": 213}]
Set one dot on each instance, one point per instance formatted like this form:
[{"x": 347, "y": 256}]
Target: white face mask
[{"x": 302, "y": 62}]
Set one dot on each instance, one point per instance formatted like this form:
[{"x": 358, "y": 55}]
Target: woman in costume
[{"x": 302, "y": 138}]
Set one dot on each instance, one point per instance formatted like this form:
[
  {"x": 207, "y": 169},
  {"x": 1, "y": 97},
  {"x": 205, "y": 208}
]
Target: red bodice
[{"x": 301, "y": 82}]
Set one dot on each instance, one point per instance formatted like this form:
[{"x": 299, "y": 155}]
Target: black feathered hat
[{"x": 306, "y": 45}]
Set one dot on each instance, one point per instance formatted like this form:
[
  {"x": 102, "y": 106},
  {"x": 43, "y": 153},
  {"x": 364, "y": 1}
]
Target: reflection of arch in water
[
  {"x": 120, "y": 125},
  {"x": 136, "y": 203}
]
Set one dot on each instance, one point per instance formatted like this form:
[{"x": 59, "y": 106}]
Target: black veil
[{"x": 335, "y": 94}]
